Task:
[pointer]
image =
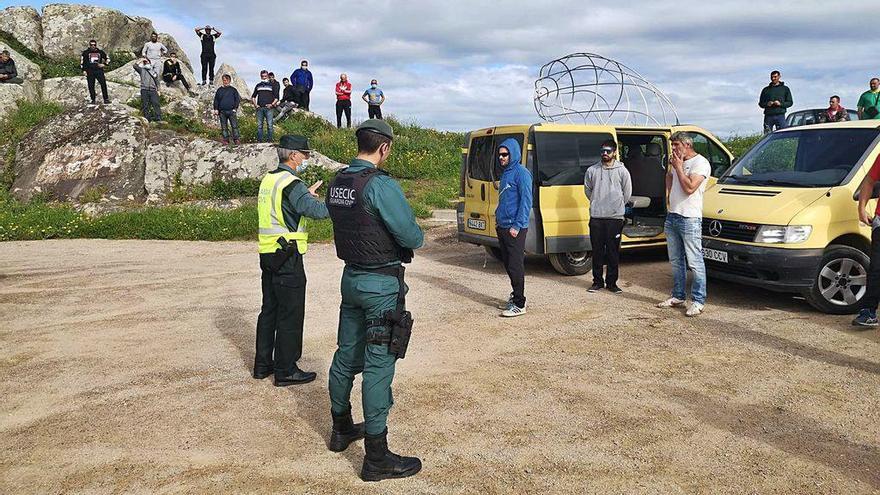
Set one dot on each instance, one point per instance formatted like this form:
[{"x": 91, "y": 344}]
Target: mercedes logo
[{"x": 714, "y": 228}]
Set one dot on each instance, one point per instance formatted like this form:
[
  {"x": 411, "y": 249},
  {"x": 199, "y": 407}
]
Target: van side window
[
  {"x": 480, "y": 158},
  {"x": 562, "y": 158},
  {"x": 718, "y": 159}
]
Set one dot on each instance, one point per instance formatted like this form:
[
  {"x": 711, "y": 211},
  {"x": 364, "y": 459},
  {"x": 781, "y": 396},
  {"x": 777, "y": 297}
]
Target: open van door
[{"x": 562, "y": 155}]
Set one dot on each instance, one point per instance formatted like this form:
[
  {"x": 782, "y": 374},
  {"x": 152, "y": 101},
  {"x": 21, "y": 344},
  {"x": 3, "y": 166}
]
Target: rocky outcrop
[
  {"x": 88, "y": 147},
  {"x": 74, "y": 91},
  {"x": 24, "y": 23},
  {"x": 11, "y": 94},
  {"x": 237, "y": 81},
  {"x": 110, "y": 149},
  {"x": 172, "y": 46},
  {"x": 27, "y": 70}
]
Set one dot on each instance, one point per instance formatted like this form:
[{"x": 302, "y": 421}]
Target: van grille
[
  {"x": 734, "y": 231},
  {"x": 747, "y": 192}
]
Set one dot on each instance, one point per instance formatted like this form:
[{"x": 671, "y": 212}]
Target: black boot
[
  {"x": 382, "y": 464},
  {"x": 344, "y": 432}
]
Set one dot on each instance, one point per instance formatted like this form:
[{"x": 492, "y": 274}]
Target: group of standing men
[{"x": 375, "y": 232}]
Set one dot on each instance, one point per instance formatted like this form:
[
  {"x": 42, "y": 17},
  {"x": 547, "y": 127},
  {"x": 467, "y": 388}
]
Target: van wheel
[
  {"x": 841, "y": 281},
  {"x": 493, "y": 252},
  {"x": 571, "y": 263}
]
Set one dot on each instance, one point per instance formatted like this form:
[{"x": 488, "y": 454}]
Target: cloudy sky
[{"x": 462, "y": 65}]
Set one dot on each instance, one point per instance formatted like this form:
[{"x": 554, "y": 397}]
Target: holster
[
  {"x": 280, "y": 257},
  {"x": 398, "y": 322}
]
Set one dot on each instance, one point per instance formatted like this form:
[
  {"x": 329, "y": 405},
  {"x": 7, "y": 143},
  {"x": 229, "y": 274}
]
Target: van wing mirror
[{"x": 874, "y": 194}]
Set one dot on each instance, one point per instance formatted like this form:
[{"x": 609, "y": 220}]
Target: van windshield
[{"x": 806, "y": 158}]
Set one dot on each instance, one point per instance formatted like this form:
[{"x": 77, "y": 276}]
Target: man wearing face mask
[
  {"x": 149, "y": 90},
  {"x": 375, "y": 231},
  {"x": 264, "y": 98},
  {"x": 374, "y": 98},
  {"x": 283, "y": 205},
  {"x": 302, "y": 84}
]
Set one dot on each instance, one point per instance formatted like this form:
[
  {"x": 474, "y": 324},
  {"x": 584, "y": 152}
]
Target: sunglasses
[
  {"x": 607, "y": 151},
  {"x": 503, "y": 155}
]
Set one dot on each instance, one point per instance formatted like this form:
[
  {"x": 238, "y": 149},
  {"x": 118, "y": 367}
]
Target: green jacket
[
  {"x": 384, "y": 198},
  {"x": 779, "y": 93},
  {"x": 297, "y": 202}
]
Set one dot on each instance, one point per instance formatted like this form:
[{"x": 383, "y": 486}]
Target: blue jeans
[
  {"x": 774, "y": 122},
  {"x": 685, "y": 246},
  {"x": 264, "y": 115}
]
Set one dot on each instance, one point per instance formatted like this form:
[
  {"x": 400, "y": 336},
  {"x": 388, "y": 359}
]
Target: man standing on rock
[
  {"x": 149, "y": 90},
  {"x": 302, "y": 84},
  {"x": 93, "y": 63},
  {"x": 8, "y": 72},
  {"x": 226, "y": 101},
  {"x": 171, "y": 72},
  {"x": 154, "y": 50},
  {"x": 265, "y": 100},
  {"x": 283, "y": 205},
  {"x": 208, "y": 57},
  {"x": 375, "y": 231}
]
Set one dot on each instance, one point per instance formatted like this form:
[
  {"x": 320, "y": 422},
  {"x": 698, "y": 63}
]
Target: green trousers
[{"x": 365, "y": 296}]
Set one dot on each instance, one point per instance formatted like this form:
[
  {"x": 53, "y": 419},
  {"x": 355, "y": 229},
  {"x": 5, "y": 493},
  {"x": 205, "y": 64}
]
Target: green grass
[{"x": 64, "y": 67}]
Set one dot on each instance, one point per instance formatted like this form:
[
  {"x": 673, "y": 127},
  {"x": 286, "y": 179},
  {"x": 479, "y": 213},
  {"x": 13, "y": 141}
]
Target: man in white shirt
[
  {"x": 154, "y": 50},
  {"x": 685, "y": 183}
]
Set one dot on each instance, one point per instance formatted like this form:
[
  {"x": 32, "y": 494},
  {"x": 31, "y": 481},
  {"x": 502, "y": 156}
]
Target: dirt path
[{"x": 126, "y": 368}]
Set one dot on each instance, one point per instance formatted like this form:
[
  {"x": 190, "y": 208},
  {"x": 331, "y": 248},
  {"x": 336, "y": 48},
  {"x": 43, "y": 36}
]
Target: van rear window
[{"x": 562, "y": 158}]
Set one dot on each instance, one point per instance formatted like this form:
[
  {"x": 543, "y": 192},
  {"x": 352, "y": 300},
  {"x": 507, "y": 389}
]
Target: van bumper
[
  {"x": 772, "y": 268},
  {"x": 480, "y": 240}
]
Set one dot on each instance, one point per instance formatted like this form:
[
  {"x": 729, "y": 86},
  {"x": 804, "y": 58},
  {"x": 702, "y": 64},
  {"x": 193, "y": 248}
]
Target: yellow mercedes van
[
  {"x": 558, "y": 155},
  {"x": 784, "y": 216}
]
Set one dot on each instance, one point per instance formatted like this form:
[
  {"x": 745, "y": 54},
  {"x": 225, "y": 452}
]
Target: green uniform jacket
[
  {"x": 780, "y": 93},
  {"x": 297, "y": 202},
  {"x": 384, "y": 198}
]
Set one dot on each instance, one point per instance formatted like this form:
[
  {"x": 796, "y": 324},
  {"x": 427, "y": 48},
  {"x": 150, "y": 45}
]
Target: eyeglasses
[{"x": 503, "y": 155}]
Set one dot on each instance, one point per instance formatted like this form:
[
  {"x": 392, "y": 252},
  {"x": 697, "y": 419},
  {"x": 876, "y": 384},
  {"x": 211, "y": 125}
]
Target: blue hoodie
[{"x": 514, "y": 191}]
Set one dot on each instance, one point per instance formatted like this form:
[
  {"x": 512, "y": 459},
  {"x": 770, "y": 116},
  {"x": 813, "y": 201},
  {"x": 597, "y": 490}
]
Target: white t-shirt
[
  {"x": 153, "y": 51},
  {"x": 689, "y": 205}
]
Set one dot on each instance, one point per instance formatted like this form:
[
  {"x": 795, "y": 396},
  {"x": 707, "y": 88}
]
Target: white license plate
[
  {"x": 476, "y": 224},
  {"x": 715, "y": 255}
]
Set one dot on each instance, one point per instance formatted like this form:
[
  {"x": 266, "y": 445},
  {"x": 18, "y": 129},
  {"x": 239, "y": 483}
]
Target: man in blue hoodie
[
  {"x": 302, "y": 84},
  {"x": 512, "y": 221}
]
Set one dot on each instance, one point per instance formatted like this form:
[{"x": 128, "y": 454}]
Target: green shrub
[
  {"x": 738, "y": 145},
  {"x": 64, "y": 67}
]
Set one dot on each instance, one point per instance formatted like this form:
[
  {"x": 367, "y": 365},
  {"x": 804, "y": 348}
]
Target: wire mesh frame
[{"x": 562, "y": 93}]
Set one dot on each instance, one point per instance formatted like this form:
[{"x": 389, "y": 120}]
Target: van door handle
[{"x": 482, "y": 192}]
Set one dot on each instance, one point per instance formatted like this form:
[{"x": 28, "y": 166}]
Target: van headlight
[{"x": 783, "y": 234}]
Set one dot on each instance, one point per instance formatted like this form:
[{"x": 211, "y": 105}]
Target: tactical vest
[
  {"x": 360, "y": 238},
  {"x": 272, "y": 224}
]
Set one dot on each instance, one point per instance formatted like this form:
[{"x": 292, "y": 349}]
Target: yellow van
[
  {"x": 558, "y": 155},
  {"x": 784, "y": 216}
]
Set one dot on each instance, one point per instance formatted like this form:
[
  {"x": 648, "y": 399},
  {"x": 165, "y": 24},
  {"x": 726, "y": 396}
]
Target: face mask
[
  {"x": 302, "y": 166},
  {"x": 374, "y": 86},
  {"x": 148, "y": 66}
]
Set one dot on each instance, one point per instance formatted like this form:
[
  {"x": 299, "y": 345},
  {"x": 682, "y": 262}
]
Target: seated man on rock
[
  {"x": 171, "y": 72},
  {"x": 8, "y": 73}
]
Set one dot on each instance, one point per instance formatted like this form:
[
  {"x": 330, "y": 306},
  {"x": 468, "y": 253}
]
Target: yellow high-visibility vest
[{"x": 272, "y": 224}]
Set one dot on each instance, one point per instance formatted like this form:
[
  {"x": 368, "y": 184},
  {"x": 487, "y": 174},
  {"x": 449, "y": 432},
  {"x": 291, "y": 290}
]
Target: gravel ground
[{"x": 125, "y": 368}]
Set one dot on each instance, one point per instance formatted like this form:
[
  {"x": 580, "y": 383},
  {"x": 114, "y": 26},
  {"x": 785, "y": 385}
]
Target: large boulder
[
  {"x": 127, "y": 75},
  {"x": 172, "y": 46},
  {"x": 23, "y": 23},
  {"x": 87, "y": 147},
  {"x": 11, "y": 94},
  {"x": 67, "y": 29},
  {"x": 27, "y": 70},
  {"x": 74, "y": 91},
  {"x": 237, "y": 81}
]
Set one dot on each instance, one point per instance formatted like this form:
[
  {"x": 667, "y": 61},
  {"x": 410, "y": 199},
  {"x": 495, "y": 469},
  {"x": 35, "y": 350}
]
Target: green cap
[
  {"x": 378, "y": 126},
  {"x": 294, "y": 142}
]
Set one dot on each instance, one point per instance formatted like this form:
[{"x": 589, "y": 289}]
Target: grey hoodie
[
  {"x": 608, "y": 189},
  {"x": 149, "y": 78}
]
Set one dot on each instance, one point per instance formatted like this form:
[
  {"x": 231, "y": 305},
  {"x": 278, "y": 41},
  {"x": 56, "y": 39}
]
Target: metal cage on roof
[{"x": 586, "y": 88}]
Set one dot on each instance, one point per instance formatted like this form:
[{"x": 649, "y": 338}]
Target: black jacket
[
  {"x": 226, "y": 98},
  {"x": 170, "y": 68},
  {"x": 8, "y": 69}
]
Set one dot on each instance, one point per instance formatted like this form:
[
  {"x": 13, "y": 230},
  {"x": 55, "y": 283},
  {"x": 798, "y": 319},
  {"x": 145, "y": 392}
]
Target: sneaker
[
  {"x": 508, "y": 304},
  {"x": 237, "y": 142},
  {"x": 866, "y": 318},
  {"x": 202, "y": 83},
  {"x": 513, "y": 310},
  {"x": 694, "y": 309},
  {"x": 106, "y": 102},
  {"x": 225, "y": 142},
  {"x": 672, "y": 302},
  {"x": 595, "y": 287},
  {"x": 93, "y": 102},
  {"x": 614, "y": 289}
]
